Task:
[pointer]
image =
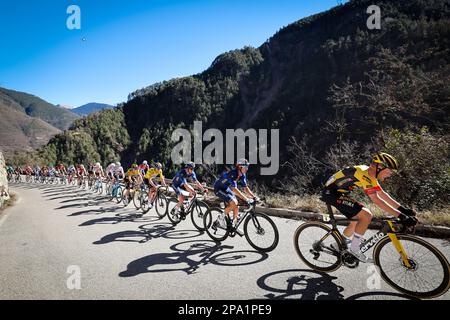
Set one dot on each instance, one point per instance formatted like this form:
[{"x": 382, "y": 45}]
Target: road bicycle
[
  {"x": 259, "y": 230},
  {"x": 406, "y": 262},
  {"x": 195, "y": 207},
  {"x": 116, "y": 191},
  {"x": 159, "y": 202},
  {"x": 98, "y": 185},
  {"x": 137, "y": 195},
  {"x": 131, "y": 193}
]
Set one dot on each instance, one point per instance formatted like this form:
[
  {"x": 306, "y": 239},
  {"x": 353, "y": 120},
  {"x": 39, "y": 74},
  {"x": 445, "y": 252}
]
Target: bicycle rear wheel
[
  {"x": 173, "y": 215},
  {"x": 261, "y": 232},
  {"x": 312, "y": 242},
  {"x": 161, "y": 205},
  {"x": 215, "y": 229},
  {"x": 429, "y": 274},
  {"x": 197, "y": 214}
]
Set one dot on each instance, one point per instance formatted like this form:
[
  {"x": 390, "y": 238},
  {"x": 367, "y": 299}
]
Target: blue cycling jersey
[
  {"x": 230, "y": 179},
  {"x": 181, "y": 178}
]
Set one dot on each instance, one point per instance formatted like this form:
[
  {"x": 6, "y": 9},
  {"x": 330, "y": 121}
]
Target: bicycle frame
[{"x": 388, "y": 229}]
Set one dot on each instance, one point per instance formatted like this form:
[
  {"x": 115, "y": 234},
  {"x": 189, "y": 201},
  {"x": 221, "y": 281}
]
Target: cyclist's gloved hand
[
  {"x": 250, "y": 202},
  {"x": 408, "y": 221}
]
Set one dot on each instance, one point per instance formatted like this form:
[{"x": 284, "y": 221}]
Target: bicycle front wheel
[
  {"x": 261, "y": 232},
  {"x": 314, "y": 242},
  {"x": 197, "y": 214},
  {"x": 161, "y": 205},
  {"x": 428, "y": 273},
  {"x": 137, "y": 199}
]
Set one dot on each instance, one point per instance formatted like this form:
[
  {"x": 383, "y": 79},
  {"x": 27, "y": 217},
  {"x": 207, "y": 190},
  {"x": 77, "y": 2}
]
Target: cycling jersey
[
  {"x": 153, "y": 172},
  {"x": 133, "y": 172},
  {"x": 119, "y": 171},
  {"x": 230, "y": 179},
  {"x": 348, "y": 178},
  {"x": 181, "y": 178}
]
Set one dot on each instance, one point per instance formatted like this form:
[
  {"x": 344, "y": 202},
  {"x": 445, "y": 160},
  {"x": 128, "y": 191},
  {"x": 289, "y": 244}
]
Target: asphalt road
[{"x": 54, "y": 233}]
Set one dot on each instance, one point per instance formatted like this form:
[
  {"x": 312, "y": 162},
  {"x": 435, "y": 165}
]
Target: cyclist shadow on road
[
  {"x": 189, "y": 256},
  {"x": 94, "y": 211},
  {"x": 300, "y": 284},
  {"x": 118, "y": 218},
  {"x": 144, "y": 235}
]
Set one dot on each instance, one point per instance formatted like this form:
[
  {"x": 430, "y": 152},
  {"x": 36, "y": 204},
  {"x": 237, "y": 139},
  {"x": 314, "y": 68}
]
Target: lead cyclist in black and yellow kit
[{"x": 339, "y": 185}]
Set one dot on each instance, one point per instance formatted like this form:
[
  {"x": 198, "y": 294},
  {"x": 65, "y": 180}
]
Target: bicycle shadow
[
  {"x": 95, "y": 211},
  {"x": 196, "y": 254},
  {"x": 118, "y": 219},
  {"x": 300, "y": 284},
  {"x": 382, "y": 295},
  {"x": 146, "y": 235}
]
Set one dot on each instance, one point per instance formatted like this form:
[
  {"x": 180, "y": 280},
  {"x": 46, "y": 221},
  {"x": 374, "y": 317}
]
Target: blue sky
[{"x": 126, "y": 45}]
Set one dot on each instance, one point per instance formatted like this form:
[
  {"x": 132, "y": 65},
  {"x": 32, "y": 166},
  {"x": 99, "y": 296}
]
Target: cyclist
[
  {"x": 226, "y": 188},
  {"x": 81, "y": 172},
  {"x": 61, "y": 169},
  {"x": 9, "y": 171},
  {"x": 37, "y": 173},
  {"x": 90, "y": 171},
  {"x": 180, "y": 183},
  {"x": 133, "y": 177},
  {"x": 51, "y": 171},
  {"x": 110, "y": 170},
  {"x": 143, "y": 167},
  {"x": 340, "y": 184},
  {"x": 98, "y": 170},
  {"x": 119, "y": 173},
  {"x": 71, "y": 172},
  {"x": 153, "y": 172}
]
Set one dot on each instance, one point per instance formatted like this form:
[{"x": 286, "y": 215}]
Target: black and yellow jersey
[
  {"x": 132, "y": 173},
  {"x": 153, "y": 172},
  {"x": 348, "y": 178}
]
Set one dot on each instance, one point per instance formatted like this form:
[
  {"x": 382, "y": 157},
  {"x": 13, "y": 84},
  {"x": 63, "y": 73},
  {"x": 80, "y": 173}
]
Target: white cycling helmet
[
  {"x": 242, "y": 162},
  {"x": 97, "y": 164},
  {"x": 118, "y": 163},
  {"x": 145, "y": 162}
]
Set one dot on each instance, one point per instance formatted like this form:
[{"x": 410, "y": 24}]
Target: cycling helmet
[
  {"x": 386, "y": 160},
  {"x": 145, "y": 162},
  {"x": 118, "y": 164},
  {"x": 157, "y": 165},
  {"x": 97, "y": 164},
  {"x": 190, "y": 165},
  {"x": 134, "y": 166},
  {"x": 242, "y": 163}
]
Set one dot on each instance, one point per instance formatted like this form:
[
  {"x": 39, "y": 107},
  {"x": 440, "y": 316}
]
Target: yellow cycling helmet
[{"x": 386, "y": 160}]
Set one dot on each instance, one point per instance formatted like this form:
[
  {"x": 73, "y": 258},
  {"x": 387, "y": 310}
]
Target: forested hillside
[{"x": 336, "y": 90}]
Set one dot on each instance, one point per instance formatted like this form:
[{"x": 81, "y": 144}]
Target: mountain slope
[
  {"x": 89, "y": 108},
  {"x": 19, "y": 131},
  {"x": 36, "y": 107}
]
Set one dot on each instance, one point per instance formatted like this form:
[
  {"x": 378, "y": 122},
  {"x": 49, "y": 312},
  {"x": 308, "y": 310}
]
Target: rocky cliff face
[{"x": 3, "y": 181}]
